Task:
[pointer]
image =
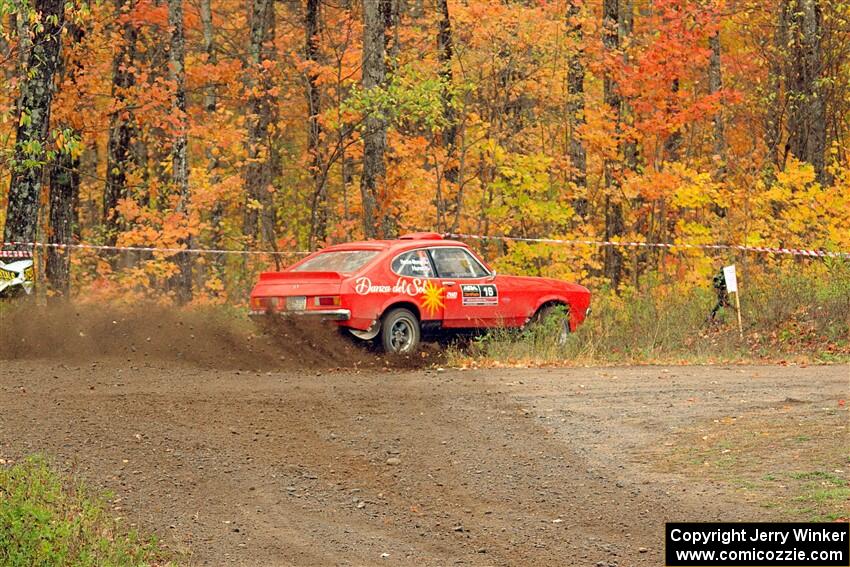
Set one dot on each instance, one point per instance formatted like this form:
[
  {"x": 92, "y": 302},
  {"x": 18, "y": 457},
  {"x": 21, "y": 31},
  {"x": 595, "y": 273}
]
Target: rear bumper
[{"x": 321, "y": 314}]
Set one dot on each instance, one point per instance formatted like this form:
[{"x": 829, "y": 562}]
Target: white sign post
[{"x": 732, "y": 287}]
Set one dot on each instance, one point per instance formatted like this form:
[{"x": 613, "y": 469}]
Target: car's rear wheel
[
  {"x": 400, "y": 331},
  {"x": 555, "y": 317},
  {"x": 14, "y": 293}
]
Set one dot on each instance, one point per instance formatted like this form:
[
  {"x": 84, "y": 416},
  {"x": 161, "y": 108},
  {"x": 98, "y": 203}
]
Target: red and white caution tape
[
  {"x": 148, "y": 249},
  {"x": 739, "y": 247},
  {"x": 15, "y": 254},
  {"x": 598, "y": 243}
]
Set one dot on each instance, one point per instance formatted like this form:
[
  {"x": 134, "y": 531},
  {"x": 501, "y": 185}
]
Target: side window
[
  {"x": 456, "y": 263},
  {"x": 414, "y": 264}
]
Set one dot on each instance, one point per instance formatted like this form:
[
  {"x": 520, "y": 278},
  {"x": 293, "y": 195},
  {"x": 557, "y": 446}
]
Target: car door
[
  {"x": 417, "y": 280},
  {"x": 471, "y": 294}
]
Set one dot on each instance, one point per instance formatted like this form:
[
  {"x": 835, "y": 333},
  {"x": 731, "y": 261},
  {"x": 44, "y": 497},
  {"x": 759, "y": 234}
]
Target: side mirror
[{"x": 492, "y": 276}]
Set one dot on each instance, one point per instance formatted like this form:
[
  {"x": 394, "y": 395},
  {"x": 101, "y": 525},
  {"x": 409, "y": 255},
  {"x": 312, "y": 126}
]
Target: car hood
[{"x": 539, "y": 283}]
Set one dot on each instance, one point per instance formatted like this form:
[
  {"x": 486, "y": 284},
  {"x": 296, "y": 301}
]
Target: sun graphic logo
[{"x": 432, "y": 298}]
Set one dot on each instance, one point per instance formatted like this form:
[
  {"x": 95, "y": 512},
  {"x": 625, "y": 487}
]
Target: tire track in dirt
[{"x": 298, "y": 468}]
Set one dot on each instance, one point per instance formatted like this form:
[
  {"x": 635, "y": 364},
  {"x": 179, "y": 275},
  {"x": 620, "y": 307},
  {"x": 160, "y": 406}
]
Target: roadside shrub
[
  {"x": 46, "y": 520},
  {"x": 818, "y": 305},
  {"x": 788, "y": 315}
]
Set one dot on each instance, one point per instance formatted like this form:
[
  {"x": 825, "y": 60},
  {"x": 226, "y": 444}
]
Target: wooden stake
[{"x": 738, "y": 309}]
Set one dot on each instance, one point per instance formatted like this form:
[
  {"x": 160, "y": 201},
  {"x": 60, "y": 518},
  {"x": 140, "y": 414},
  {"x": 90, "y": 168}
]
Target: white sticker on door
[{"x": 479, "y": 294}]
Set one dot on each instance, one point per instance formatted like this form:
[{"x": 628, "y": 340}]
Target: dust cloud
[{"x": 208, "y": 338}]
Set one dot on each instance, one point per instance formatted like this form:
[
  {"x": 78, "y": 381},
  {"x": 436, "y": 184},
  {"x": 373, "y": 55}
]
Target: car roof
[{"x": 394, "y": 245}]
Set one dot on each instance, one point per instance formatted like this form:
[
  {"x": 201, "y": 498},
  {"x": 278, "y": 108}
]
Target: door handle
[{"x": 448, "y": 284}]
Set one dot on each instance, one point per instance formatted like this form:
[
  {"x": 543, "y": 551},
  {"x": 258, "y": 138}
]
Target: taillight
[
  {"x": 264, "y": 303},
  {"x": 326, "y": 300}
]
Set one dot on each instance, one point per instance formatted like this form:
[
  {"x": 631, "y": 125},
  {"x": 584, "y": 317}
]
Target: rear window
[
  {"x": 343, "y": 261},
  {"x": 414, "y": 264}
]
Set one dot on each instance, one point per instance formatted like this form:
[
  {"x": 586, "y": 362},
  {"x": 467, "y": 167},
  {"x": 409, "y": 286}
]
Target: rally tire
[
  {"x": 562, "y": 313},
  {"x": 400, "y": 331},
  {"x": 14, "y": 293}
]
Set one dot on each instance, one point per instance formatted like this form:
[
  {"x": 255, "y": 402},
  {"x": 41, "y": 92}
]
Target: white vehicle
[{"x": 17, "y": 276}]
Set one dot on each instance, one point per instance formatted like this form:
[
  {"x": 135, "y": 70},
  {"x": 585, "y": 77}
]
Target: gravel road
[{"x": 376, "y": 467}]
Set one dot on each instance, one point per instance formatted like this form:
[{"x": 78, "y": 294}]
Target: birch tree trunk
[
  {"x": 33, "y": 124},
  {"x": 179, "y": 159}
]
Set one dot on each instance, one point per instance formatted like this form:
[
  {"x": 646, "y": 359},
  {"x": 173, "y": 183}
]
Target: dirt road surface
[{"x": 423, "y": 467}]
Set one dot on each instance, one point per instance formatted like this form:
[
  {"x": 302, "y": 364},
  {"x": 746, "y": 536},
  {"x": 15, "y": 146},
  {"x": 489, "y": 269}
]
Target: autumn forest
[{"x": 282, "y": 126}]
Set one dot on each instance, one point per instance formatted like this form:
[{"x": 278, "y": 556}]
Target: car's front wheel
[
  {"x": 400, "y": 331},
  {"x": 556, "y": 320}
]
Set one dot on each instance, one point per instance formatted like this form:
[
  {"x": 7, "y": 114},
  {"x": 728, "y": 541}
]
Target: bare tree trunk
[
  {"x": 119, "y": 153},
  {"x": 210, "y": 94},
  {"x": 64, "y": 196},
  {"x": 806, "y": 108},
  {"x": 575, "y": 109},
  {"x": 318, "y": 208},
  {"x": 372, "y": 180},
  {"x": 392, "y": 22},
  {"x": 673, "y": 143},
  {"x": 210, "y": 108},
  {"x": 6, "y": 46},
  {"x": 775, "y": 102},
  {"x": 626, "y": 25},
  {"x": 614, "y": 226},
  {"x": 454, "y": 195},
  {"x": 179, "y": 158},
  {"x": 64, "y": 193},
  {"x": 18, "y": 20},
  {"x": 268, "y": 216},
  {"x": 33, "y": 124},
  {"x": 259, "y": 171},
  {"x": 715, "y": 85}
]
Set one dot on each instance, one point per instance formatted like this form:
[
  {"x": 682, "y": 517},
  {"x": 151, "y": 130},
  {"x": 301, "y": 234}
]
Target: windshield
[{"x": 344, "y": 261}]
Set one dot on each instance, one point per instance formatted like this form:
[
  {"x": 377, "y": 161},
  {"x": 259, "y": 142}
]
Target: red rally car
[{"x": 396, "y": 289}]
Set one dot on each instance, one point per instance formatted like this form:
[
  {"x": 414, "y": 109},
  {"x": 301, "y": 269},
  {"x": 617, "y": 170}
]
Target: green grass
[
  {"x": 785, "y": 316},
  {"x": 829, "y": 495},
  {"x": 824, "y": 476},
  {"x": 48, "y": 520},
  {"x": 825, "y": 494}
]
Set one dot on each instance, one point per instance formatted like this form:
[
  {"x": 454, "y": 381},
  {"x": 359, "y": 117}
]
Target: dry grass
[
  {"x": 786, "y": 317},
  {"x": 793, "y": 459}
]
